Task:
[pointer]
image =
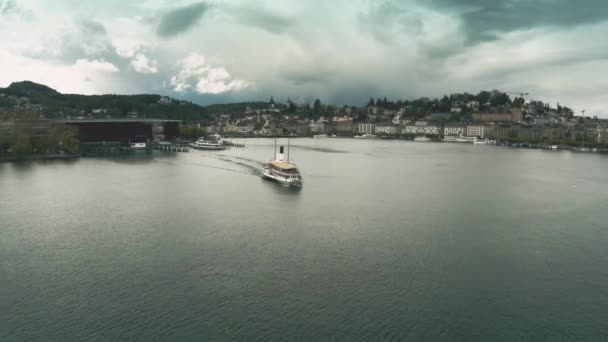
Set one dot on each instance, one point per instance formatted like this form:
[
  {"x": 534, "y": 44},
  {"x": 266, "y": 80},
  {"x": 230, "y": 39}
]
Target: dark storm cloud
[
  {"x": 180, "y": 20},
  {"x": 9, "y": 7},
  {"x": 12, "y": 8},
  {"x": 382, "y": 17},
  {"x": 265, "y": 20},
  {"x": 483, "y": 20},
  {"x": 314, "y": 75},
  {"x": 92, "y": 27}
]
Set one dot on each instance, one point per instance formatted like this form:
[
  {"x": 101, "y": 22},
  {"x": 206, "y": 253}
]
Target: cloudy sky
[{"x": 342, "y": 51}]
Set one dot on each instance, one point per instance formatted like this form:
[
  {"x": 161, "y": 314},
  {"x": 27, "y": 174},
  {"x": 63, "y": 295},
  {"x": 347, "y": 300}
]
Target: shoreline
[
  {"x": 503, "y": 144},
  {"x": 40, "y": 157}
]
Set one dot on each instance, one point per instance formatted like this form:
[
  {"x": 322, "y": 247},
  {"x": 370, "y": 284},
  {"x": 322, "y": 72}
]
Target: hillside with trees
[{"x": 23, "y": 97}]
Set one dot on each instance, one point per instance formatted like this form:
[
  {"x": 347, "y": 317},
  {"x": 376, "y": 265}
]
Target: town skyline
[{"x": 340, "y": 52}]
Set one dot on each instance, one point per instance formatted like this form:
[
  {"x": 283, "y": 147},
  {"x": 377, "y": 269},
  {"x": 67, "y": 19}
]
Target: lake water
[{"x": 387, "y": 240}]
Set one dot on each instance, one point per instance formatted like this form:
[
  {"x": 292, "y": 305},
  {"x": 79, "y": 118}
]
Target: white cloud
[
  {"x": 86, "y": 65},
  {"x": 195, "y": 74},
  {"x": 129, "y": 36},
  {"x": 143, "y": 65},
  {"x": 125, "y": 48},
  {"x": 348, "y": 51},
  {"x": 83, "y": 77}
]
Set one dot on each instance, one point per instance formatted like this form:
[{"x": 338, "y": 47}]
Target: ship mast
[{"x": 274, "y": 119}]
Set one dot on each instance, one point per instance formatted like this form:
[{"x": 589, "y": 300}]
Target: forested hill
[{"x": 29, "y": 98}]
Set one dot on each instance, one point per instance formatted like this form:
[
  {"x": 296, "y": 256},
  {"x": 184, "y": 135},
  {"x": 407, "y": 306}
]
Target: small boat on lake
[
  {"x": 486, "y": 141},
  {"x": 282, "y": 170},
  {"x": 366, "y": 136},
  {"x": 213, "y": 144},
  {"x": 140, "y": 146},
  {"x": 422, "y": 139}
]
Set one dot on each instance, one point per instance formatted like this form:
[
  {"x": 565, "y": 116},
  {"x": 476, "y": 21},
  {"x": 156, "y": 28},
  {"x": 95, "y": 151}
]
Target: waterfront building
[
  {"x": 303, "y": 128},
  {"x": 529, "y": 133},
  {"x": 602, "y": 135},
  {"x": 317, "y": 127},
  {"x": 455, "y": 109},
  {"x": 439, "y": 116},
  {"x": 473, "y": 105},
  {"x": 344, "y": 128},
  {"x": 420, "y": 129},
  {"x": 344, "y": 118},
  {"x": 514, "y": 116},
  {"x": 366, "y": 128},
  {"x": 454, "y": 129},
  {"x": 387, "y": 128},
  {"x": 481, "y": 131},
  {"x": 245, "y": 127},
  {"x": 230, "y": 128},
  {"x": 291, "y": 126},
  {"x": 553, "y": 132}
]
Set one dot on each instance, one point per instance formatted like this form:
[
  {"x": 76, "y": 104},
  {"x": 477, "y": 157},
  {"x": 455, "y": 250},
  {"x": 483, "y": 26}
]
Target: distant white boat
[
  {"x": 138, "y": 146},
  {"x": 214, "y": 144},
  {"x": 459, "y": 139},
  {"x": 366, "y": 136},
  {"x": 422, "y": 139}
]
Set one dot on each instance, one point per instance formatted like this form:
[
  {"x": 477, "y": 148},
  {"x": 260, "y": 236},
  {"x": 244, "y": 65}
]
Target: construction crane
[
  {"x": 519, "y": 94},
  {"x": 584, "y": 127}
]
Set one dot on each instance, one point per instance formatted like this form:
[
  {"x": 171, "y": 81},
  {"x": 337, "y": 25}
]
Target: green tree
[
  {"x": 361, "y": 116},
  {"x": 483, "y": 97},
  {"x": 500, "y": 100},
  {"x": 291, "y": 106},
  {"x": 444, "y": 105},
  {"x": 512, "y": 134},
  {"x": 371, "y": 102},
  {"x": 64, "y": 138},
  {"x": 23, "y": 145},
  {"x": 191, "y": 132},
  {"x": 519, "y": 102},
  {"x": 317, "y": 109}
]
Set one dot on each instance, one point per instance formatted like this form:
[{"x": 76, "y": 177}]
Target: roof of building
[
  {"x": 385, "y": 124},
  {"x": 116, "y": 120},
  {"x": 283, "y": 165}
]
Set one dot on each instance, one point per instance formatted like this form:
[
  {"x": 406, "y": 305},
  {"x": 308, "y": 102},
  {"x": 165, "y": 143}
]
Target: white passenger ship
[
  {"x": 282, "y": 170},
  {"x": 213, "y": 144}
]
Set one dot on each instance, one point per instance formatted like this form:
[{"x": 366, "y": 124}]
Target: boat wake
[
  {"x": 253, "y": 170},
  {"x": 251, "y": 161},
  {"x": 319, "y": 149},
  {"x": 223, "y": 168}
]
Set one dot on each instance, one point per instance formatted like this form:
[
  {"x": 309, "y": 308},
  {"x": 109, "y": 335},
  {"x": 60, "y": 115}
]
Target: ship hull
[
  {"x": 269, "y": 176},
  {"x": 208, "y": 148}
]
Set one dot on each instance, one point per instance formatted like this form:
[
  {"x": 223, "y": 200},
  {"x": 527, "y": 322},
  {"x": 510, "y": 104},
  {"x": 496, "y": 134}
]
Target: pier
[{"x": 168, "y": 147}]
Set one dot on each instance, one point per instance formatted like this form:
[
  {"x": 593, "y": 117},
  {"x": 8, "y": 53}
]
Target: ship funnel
[{"x": 281, "y": 150}]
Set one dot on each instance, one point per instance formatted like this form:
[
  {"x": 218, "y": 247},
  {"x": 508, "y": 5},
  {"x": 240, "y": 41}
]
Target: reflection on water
[
  {"x": 318, "y": 149},
  {"x": 390, "y": 241}
]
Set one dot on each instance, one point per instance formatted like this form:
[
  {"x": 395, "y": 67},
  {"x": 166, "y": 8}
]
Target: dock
[{"x": 170, "y": 147}]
